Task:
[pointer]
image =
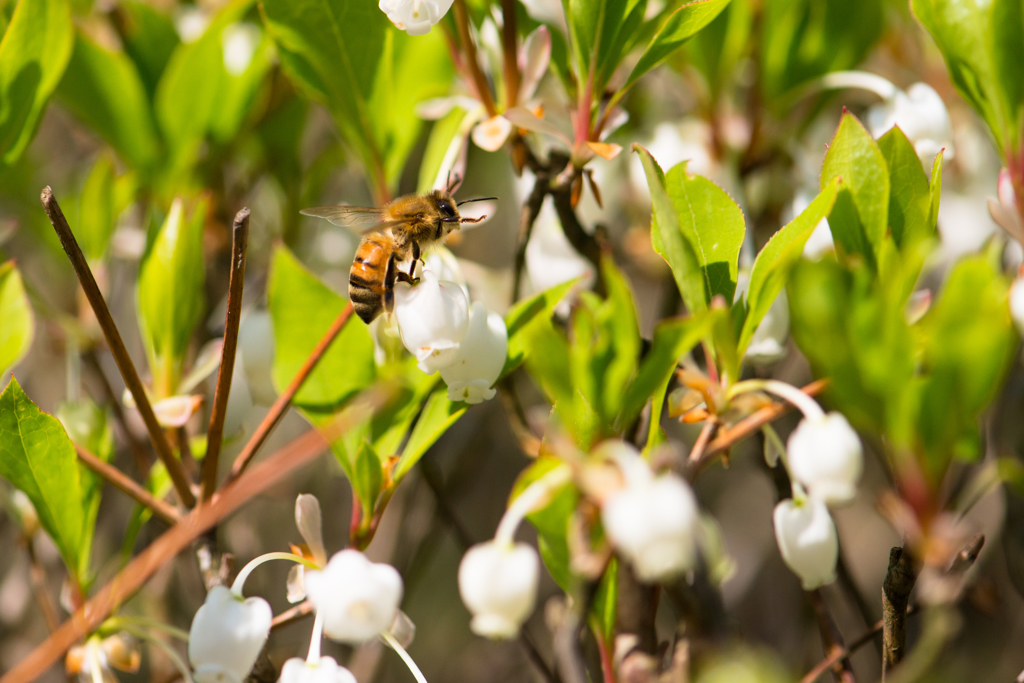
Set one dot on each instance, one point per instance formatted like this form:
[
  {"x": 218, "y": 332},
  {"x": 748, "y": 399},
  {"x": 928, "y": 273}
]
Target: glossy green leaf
[
  {"x": 370, "y": 76},
  {"x": 775, "y": 260},
  {"x": 680, "y": 26},
  {"x": 438, "y": 415},
  {"x": 668, "y": 239},
  {"x": 303, "y": 309},
  {"x": 528, "y": 315},
  {"x": 714, "y": 224},
  {"x": 367, "y": 477},
  {"x": 618, "y": 322},
  {"x": 96, "y": 209},
  {"x": 548, "y": 364},
  {"x": 600, "y": 35},
  {"x": 104, "y": 90},
  {"x": 804, "y": 39},
  {"x": 171, "y": 290},
  {"x": 859, "y": 216},
  {"x": 909, "y": 193},
  {"x": 86, "y": 424},
  {"x": 38, "y": 458},
  {"x": 33, "y": 54},
  {"x": 17, "y": 322},
  {"x": 673, "y": 339},
  {"x": 981, "y": 42}
]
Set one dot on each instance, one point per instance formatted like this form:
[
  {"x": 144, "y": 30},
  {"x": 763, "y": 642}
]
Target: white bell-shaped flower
[
  {"x": 433, "y": 317},
  {"x": 498, "y": 583},
  {"x": 826, "y": 457},
  {"x": 480, "y": 358},
  {"x": 653, "y": 522},
  {"x": 327, "y": 670},
  {"x": 1017, "y": 303},
  {"x": 415, "y": 17},
  {"x": 921, "y": 115},
  {"x": 227, "y": 635},
  {"x": 357, "y": 598},
  {"x": 807, "y": 540}
]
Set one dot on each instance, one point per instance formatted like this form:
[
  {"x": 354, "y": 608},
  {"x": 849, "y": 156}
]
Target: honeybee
[{"x": 401, "y": 229}]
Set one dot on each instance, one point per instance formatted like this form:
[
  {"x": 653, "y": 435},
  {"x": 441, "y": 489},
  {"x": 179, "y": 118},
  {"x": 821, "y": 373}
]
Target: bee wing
[{"x": 358, "y": 219}]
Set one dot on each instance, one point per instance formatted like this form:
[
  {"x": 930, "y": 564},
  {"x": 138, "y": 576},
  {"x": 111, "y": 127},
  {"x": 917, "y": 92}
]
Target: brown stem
[
  {"x": 124, "y": 483},
  {"x": 728, "y": 437},
  {"x": 140, "y": 455},
  {"x": 236, "y": 282},
  {"x": 583, "y": 242},
  {"x": 899, "y": 581},
  {"x": 831, "y": 639},
  {"x": 824, "y": 665},
  {"x": 509, "y": 41},
  {"x": 117, "y": 347},
  {"x": 277, "y": 410},
  {"x": 527, "y": 217},
  {"x": 483, "y": 90},
  {"x": 229, "y": 498},
  {"x": 292, "y": 615},
  {"x": 703, "y": 439}
]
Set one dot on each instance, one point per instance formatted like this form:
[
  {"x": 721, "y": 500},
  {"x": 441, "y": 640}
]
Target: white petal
[
  {"x": 296, "y": 584},
  {"x": 432, "y": 318},
  {"x": 358, "y": 598},
  {"x": 825, "y": 455},
  {"x": 297, "y": 670},
  {"x": 481, "y": 355},
  {"x": 239, "y": 42},
  {"x": 534, "y": 58},
  {"x": 498, "y": 584},
  {"x": 205, "y": 364},
  {"x": 227, "y": 635},
  {"x": 492, "y": 133},
  {"x": 176, "y": 410},
  {"x": 522, "y": 117},
  {"x": 807, "y": 541},
  {"x": 310, "y": 523}
]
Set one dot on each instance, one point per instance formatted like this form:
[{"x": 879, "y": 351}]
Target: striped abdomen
[{"x": 370, "y": 284}]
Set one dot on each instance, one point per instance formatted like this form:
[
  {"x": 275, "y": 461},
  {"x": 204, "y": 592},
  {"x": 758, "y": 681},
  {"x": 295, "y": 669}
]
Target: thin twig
[
  {"x": 511, "y": 53},
  {"x": 702, "y": 439},
  {"x": 142, "y": 461},
  {"x": 824, "y": 665},
  {"x": 117, "y": 347},
  {"x": 236, "y": 282},
  {"x": 229, "y": 498},
  {"x": 582, "y": 241},
  {"x": 123, "y": 482},
  {"x": 280, "y": 406},
  {"x": 752, "y": 423},
  {"x": 292, "y": 615},
  {"x": 483, "y": 90},
  {"x": 831, "y": 638}
]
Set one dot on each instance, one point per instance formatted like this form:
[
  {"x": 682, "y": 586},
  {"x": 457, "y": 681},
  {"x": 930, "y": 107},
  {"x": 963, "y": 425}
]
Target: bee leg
[
  {"x": 389, "y": 284},
  {"x": 415, "y": 258}
]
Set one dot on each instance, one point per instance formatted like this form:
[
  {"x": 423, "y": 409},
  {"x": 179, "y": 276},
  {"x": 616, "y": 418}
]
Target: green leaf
[
  {"x": 303, "y": 309},
  {"x": 367, "y": 477},
  {"x": 604, "y": 611},
  {"x": 909, "y": 193},
  {"x": 668, "y": 239},
  {"x": 859, "y": 217},
  {"x": 197, "y": 96},
  {"x": 804, "y": 39},
  {"x": 617, "y": 318},
  {"x": 18, "y": 321},
  {"x": 718, "y": 48},
  {"x": 935, "y": 192},
  {"x": 105, "y": 91},
  {"x": 149, "y": 38},
  {"x": 680, "y": 26},
  {"x": 601, "y": 33},
  {"x": 548, "y": 364},
  {"x": 981, "y": 42},
  {"x": 33, "y": 54},
  {"x": 370, "y": 76},
  {"x": 527, "y": 316},
  {"x": 775, "y": 260},
  {"x": 171, "y": 293},
  {"x": 96, "y": 212},
  {"x": 447, "y": 138},
  {"x": 713, "y": 224},
  {"x": 38, "y": 458},
  {"x": 438, "y": 415},
  {"x": 673, "y": 339},
  {"x": 87, "y": 425}
]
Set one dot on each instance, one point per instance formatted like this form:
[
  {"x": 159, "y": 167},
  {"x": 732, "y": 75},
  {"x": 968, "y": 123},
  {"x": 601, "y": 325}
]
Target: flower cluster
[
  {"x": 355, "y": 600},
  {"x": 467, "y": 344}
]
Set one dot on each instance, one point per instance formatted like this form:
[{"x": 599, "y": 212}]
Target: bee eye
[{"x": 448, "y": 208}]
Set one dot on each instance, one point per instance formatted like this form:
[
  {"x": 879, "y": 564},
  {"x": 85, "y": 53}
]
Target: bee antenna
[{"x": 477, "y": 199}]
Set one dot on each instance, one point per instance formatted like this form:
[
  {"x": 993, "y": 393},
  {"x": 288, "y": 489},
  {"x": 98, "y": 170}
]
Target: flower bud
[
  {"x": 807, "y": 540},
  {"x": 432, "y": 318},
  {"x": 297, "y": 670},
  {"x": 480, "y": 358},
  {"x": 227, "y": 635},
  {"x": 653, "y": 523},
  {"x": 358, "y": 598},
  {"x": 825, "y": 456},
  {"x": 415, "y": 17},
  {"x": 498, "y": 583}
]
